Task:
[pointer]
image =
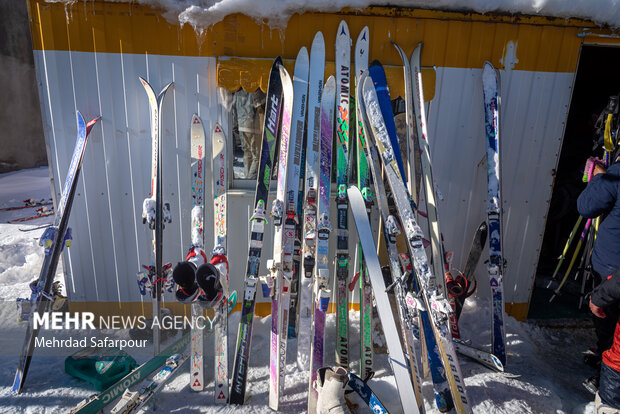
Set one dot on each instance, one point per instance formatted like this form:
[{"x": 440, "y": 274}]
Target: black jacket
[
  {"x": 602, "y": 196},
  {"x": 608, "y": 292}
]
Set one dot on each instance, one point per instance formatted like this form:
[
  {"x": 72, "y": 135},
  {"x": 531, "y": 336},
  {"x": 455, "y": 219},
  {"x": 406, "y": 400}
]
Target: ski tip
[
  {"x": 343, "y": 29},
  {"x": 285, "y": 78},
  {"x": 488, "y": 66},
  {"x": 91, "y": 124},
  {"x": 217, "y": 129},
  {"x": 363, "y": 35},
  {"x": 80, "y": 118},
  {"x": 277, "y": 61},
  {"x": 318, "y": 39},
  {"x": 302, "y": 66},
  {"x": 303, "y": 53},
  {"x": 330, "y": 83},
  {"x": 196, "y": 119},
  {"x": 165, "y": 90}
]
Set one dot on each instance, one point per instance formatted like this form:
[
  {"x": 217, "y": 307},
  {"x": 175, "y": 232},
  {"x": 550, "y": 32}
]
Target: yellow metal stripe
[
  {"x": 451, "y": 39},
  {"x": 107, "y": 309},
  {"x": 250, "y": 74}
]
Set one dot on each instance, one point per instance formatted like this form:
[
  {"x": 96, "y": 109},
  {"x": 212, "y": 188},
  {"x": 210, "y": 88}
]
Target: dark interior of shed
[{"x": 597, "y": 79}]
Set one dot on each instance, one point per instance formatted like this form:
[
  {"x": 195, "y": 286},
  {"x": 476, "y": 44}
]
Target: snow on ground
[
  {"x": 548, "y": 362},
  {"x": 203, "y": 13}
]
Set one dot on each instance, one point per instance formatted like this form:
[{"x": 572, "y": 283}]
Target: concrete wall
[{"x": 21, "y": 133}]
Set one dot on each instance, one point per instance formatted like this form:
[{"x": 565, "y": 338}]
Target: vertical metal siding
[
  {"x": 110, "y": 240},
  {"x": 533, "y": 110}
]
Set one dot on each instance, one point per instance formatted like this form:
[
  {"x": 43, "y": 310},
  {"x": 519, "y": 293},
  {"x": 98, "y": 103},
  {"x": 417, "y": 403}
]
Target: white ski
[
  {"x": 219, "y": 180},
  {"x": 313, "y": 143},
  {"x": 197, "y": 134},
  {"x": 399, "y": 364}
]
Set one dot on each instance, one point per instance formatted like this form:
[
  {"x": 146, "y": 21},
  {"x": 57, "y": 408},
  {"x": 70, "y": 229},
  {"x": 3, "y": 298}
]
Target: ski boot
[
  {"x": 208, "y": 278},
  {"x": 330, "y": 387},
  {"x": 184, "y": 275}
]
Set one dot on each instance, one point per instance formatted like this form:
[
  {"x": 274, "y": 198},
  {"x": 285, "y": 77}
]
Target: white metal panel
[
  {"x": 111, "y": 242},
  {"x": 533, "y": 110}
]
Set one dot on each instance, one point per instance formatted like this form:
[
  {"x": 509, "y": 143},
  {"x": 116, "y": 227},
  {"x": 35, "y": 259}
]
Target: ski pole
[
  {"x": 572, "y": 262},
  {"x": 566, "y": 247}
]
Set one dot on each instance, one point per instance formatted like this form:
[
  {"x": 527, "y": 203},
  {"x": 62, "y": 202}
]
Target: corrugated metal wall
[
  {"x": 111, "y": 242},
  {"x": 533, "y": 111}
]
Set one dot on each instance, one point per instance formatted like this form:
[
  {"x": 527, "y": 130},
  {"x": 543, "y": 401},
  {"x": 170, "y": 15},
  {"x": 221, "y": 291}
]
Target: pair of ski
[
  {"x": 218, "y": 260},
  {"x": 284, "y": 212},
  {"x": 427, "y": 298},
  {"x": 98, "y": 402},
  {"x": 415, "y": 109},
  {"x": 205, "y": 285},
  {"x": 54, "y": 239},
  {"x": 284, "y": 123},
  {"x": 134, "y": 401},
  {"x": 41, "y": 212},
  {"x": 278, "y": 112},
  {"x": 31, "y": 202}
]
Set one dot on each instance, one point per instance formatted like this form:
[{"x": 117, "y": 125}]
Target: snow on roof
[{"x": 203, "y": 13}]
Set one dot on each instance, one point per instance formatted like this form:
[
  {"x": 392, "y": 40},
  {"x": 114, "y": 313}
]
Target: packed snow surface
[
  {"x": 545, "y": 365},
  {"x": 204, "y": 13}
]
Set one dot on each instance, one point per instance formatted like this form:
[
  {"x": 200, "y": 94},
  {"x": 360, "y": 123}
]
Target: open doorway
[{"x": 597, "y": 79}]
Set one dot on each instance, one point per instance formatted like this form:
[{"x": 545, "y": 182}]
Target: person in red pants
[{"x": 607, "y": 294}]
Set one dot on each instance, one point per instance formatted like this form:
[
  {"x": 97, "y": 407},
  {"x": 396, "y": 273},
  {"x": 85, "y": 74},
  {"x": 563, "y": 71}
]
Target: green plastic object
[{"x": 101, "y": 367}]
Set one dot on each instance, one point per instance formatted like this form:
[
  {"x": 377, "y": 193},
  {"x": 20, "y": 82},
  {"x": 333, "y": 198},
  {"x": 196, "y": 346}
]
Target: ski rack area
[{"x": 328, "y": 210}]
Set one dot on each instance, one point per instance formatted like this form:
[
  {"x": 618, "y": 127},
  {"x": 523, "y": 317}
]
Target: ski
[
  {"x": 412, "y": 182},
  {"x": 434, "y": 232},
  {"x": 54, "y": 239},
  {"x": 409, "y": 326},
  {"x": 363, "y": 182},
  {"x": 477, "y": 245},
  {"x": 41, "y": 214},
  {"x": 98, "y": 402},
  {"x": 154, "y": 211},
  {"x": 321, "y": 291},
  {"x": 343, "y": 71},
  {"x": 198, "y": 164},
  {"x": 313, "y": 143},
  {"x": 440, "y": 385},
  {"x": 300, "y": 92},
  {"x": 406, "y": 390},
  {"x": 134, "y": 401},
  {"x": 490, "y": 81},
  {"x": 29, "y": 203},
  {"x": 433, "y": 301},
  {"x": 284, "y": 238},
  {"x": 257, "y": 228},
  {"x": 483, "y": 357},
  {"x": 366, "y": 393},
  {"x": 34, "y": 228},
  {"x": 219, "y": 259}
]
